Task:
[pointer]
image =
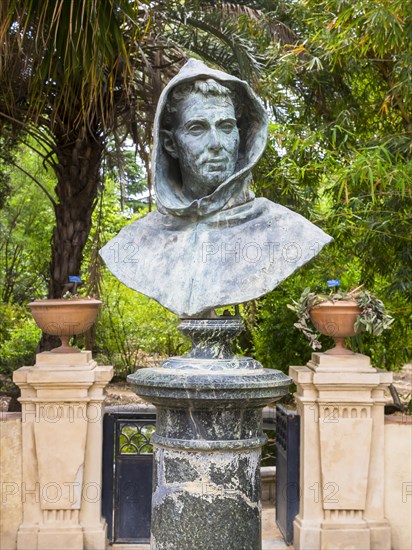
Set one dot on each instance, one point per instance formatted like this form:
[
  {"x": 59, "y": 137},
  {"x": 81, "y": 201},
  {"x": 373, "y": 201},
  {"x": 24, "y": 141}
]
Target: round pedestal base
[
  {"x": 207, "y": 448},
  {"x": 208, "y": 440}
]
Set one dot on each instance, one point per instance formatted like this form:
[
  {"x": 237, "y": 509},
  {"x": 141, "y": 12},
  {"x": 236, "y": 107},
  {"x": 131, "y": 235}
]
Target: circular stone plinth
[{"x": 204, "y": 388}]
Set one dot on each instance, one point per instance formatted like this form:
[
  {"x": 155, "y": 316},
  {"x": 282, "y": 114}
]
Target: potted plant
[
  {"x": 339, "y": 315},
  {"x": 67, "y": 316}
]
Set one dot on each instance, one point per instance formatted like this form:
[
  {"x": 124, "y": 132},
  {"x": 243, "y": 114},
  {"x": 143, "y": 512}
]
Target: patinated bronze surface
[{"x": 211, "y": 243}]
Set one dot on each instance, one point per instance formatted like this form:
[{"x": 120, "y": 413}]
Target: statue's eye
[
  {"x": 196, "y": 129},
  {"x": 227, "y": 126}
]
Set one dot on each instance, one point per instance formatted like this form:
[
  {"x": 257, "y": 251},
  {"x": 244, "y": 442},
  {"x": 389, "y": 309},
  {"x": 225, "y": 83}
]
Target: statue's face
[{"x": 206, "y": 142}]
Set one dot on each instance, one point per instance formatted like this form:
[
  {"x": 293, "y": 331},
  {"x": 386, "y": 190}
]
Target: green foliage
[
  {"x": 131, "y": 323},
  {"x": 124, "y": 166},
  {"x": 136, "y": 439},
  {"x": 7, "y": 151},
  {"x": 373, "y": 316},
  {"x": 339, "y": 153},
  {"x": 68, "y": 59},
  {"x": 277, "y": 344},
  {"x": 9, "y": 316},
  {"x": 19, "y": 338},
  {"x": 25, "y": 229}
]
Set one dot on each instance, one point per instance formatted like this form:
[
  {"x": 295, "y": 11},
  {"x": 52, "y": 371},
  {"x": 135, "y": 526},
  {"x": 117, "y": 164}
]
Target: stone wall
[
  {"x": 11, "y": 514},
  {"x": 398, "y": 479},
  {"x": 268, "y": 483}
]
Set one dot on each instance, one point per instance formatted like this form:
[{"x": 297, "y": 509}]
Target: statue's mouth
[
  {"x": 218, "y": 160},
  {"x": 216, "y": 164}
]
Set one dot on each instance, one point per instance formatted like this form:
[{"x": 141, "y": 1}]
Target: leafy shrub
[
  {"x": 130, "y": 324},
  {"x": 20, "y": 336}
]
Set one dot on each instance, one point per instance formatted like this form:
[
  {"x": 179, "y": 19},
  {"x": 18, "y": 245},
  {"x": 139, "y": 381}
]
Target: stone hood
[{"x": 253, "y": 134}]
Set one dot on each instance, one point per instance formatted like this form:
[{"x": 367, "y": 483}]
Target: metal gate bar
[{"x": 287, "y": 470}]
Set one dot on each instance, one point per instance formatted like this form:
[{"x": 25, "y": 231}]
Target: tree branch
[
  {"x": 36, "y": 181},
  {"x": 38, "y": 136}
]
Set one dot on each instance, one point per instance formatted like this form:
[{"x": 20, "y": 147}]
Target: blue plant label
[
  {"x": 74, "y": 279},
  {"x": 333, "y": 282}
]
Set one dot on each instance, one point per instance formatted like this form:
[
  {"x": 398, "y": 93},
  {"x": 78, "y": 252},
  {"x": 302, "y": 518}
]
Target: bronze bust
[{"x": 211, "y": 242}]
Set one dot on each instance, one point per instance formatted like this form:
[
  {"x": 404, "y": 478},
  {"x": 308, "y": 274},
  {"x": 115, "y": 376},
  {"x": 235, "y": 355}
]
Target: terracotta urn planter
[
  {"x": 336, "y": 319},
  {"x": 65, "y": 318}
]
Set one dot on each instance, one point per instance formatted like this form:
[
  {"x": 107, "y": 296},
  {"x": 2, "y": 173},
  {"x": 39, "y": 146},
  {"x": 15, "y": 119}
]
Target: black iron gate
[
  {"x": 287, "y": 470},
  {"x": 127, "y": 475}
]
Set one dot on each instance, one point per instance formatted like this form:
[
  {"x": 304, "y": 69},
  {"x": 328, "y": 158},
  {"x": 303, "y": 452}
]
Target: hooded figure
[{"x": 211, "y": 243}]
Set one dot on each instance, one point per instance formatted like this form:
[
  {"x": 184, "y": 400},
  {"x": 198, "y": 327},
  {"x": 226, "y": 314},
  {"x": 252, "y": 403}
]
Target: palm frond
[{"x": 70, "y": 56}]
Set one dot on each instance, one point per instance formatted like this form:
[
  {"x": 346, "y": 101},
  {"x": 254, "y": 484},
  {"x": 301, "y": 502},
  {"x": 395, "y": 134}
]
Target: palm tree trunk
[{"x": 77, "y": 171}]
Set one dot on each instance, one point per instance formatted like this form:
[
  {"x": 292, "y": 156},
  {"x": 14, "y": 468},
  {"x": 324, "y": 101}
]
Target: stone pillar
[
  {"x": 208, "y": 440},
  {"x": 62, "y": 412},
  {"x": 341, "y": 403}
]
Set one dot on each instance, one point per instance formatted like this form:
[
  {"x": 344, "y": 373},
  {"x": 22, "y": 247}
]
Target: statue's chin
[
  {"x": 212, "y": 184},
  {"x": 206, "y": 186}
]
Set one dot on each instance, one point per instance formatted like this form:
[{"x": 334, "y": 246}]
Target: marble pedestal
[
  {"x": 208, "y": 440},
  {"x": 62, "y": 416},
  {"x": 341, "y": 403}
]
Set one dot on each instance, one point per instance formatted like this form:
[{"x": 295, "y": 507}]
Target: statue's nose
[{"x": 214, "y": 139}]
